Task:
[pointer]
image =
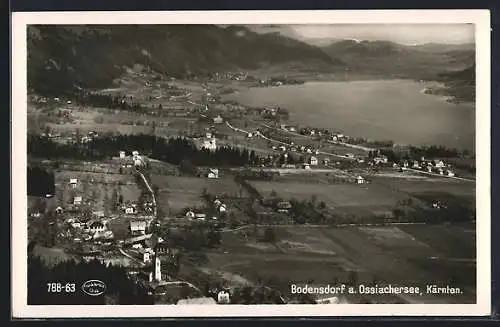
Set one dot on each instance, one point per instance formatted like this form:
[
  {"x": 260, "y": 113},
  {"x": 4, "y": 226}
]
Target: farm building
[
  {"x": 450, "y": 173},
  {"x": 96, "y": 226},
  {"x": 200, "y": 216},
  {"x": 59, "y": 210},
  {"x": 73, "y": 182},
  {"x": 218, "y": 120},
  {"x": 210, "y": 144},
  {"x": 77, "y": 200},
  {"x": 429, "y": 169},
  {"x": 213, "y": 173},
  {"x": 313, "y": 161},
  {"x": 222, "y": 208},
  {"x": 283, "y": 206},
  {"x": 138, "y": 227},
  {"x": 130, "y": 210},
  {"x": 217, "y": 203},
  {"x": 360, "y": 180},
  {"x": 135, "y": 153},
  {"x": 208, "y": 135},
  {"x": 122, "y": 155},
  {"x": 190, "y": 214},
  {"x": 438, "y": 163},
  {"x": 223, "y": 297},
  {"x": 306, "y": 166}
]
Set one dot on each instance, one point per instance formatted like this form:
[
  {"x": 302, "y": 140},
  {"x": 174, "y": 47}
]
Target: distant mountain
[
  {"x": 389, "y": 59},
  {"x": 61, "y": 58}
]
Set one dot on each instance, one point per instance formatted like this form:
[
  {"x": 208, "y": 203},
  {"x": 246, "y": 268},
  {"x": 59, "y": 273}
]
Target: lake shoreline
[{"x": 279, "y": 96}]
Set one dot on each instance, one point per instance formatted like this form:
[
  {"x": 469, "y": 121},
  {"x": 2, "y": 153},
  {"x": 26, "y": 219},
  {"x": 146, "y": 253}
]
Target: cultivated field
[
  {"x": 179, "y": 192},
  {"x": 413, "y": 255}
]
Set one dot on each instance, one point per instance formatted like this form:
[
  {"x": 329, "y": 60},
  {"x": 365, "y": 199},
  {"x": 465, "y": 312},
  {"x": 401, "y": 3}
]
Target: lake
[{"x": 395, "y": 110}]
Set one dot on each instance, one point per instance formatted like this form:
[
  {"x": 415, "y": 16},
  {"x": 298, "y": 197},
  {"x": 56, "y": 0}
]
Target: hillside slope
[
  {"x": 61, "y": 58},
  {"x": 387, "y": 59}
]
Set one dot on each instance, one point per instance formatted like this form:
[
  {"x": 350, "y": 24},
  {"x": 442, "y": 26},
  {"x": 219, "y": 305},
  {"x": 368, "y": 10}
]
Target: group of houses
[
  {"x": 209, "y": 142},
  {"x": 135, "y": 158},
  {"x": 91, "y": 229},
  {"x": 436, "y": 166}
]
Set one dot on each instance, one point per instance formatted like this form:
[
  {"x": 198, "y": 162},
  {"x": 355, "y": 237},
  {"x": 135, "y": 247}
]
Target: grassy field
[
  {"x": 344, "y": 197},
  {"x": 179, "y": 192},
  {"x": 403, "y": 256},
  {"x": 457, "y": 188}
]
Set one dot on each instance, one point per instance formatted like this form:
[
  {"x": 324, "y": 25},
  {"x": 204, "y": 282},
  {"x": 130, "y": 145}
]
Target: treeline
[
  {"x": 415, "y": 153},
  {"x": 108, "y": 101},
  {"x": 119, "y": 289},
  {"x": 172, "y": 150},
  {"x": 40, "y": 182}
]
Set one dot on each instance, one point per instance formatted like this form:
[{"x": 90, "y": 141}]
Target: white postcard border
[{"x": 20, "y": 20}]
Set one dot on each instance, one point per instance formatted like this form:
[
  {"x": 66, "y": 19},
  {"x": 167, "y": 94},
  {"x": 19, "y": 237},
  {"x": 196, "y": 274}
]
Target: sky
[{"x": 400, "y": 33}]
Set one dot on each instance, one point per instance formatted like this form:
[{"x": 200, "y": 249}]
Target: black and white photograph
[{"x": 191, "y": 165}]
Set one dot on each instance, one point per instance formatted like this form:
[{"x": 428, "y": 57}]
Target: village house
[
  {"x": 73, "y": 182},
  {"x": 135, "y": 153},
  {"x": 131, "y": 209},
  {"x": 77, "y": 200},
  {"x": 218, "y": 120},
  {"x": 138, "y": 227},
  {"x": 360, "y": 180},
  {"x": 250, "y": 135},
  {"x": 59, "y": 210},
  {"x": 429, "y": 169},
  {"x": 222, "y": 208},
  {"x": 217, "y": 203},
  {"x": 416, "y": 164},
  {"x": 210, "y": 144},
  {"x": 326, "y": 161},
  {"x": 283, "y": 206},
  {"x": 190, "y": 214},
  {"x": 313, "y": 161},
  {"x": 213, "y": 173},
  {"x": 208, "y": 135},
  {"x": 122, "y": 154},
  {"x": 349, "y": 155},
  {"x": 200, "y": 216},
  {"x": 306, "y": 166},
  {"x": 450, "y": 173},
  {"x": 96, "y": 226},
  {"x": 361, "y": 160},
  {"x": 223, "y": 297},
  {"x": 438, "y": 163}
]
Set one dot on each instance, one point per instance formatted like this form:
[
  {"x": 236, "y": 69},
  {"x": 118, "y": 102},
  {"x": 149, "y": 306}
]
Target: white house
[
  {"x": 250, "y": 135},
  {"x": 135, "y": 153},
  {"x": 210, "y": 144},
  {"x": 213, "y": 173},
  {"x": 218, "y": 120},
  {"x": 73, "y": 182},
  {"x": 59, "y": 210},
  {"x": 326, "y": 161},
  {"x": 223, "y": 297},
  {"x": 122, "y": 154},
  {"x": 146, "y": 257},
  {"x": 222, "y": 208},
  {"x": 96, "y": 226},
  {"x": 429, "y": 169},
  {"x": 450, "y": 173},
  {"x": 416, "y": 164},
  {"x": 130, "y": 210},
  {"x": 138, "y": 161},
  {"x": 217, "y": 203},
  {"x": 313, "y": 161},
  {"x": 439, "y": 164},
  {"x": 190, "y": 214},
  {"x": 77, "y": 200},
  {"x": 360, "y": 180},
  {"x": 200, "y": 216},
  {"x": 138, "y": 227},
  {"x": 208, "y": 135},
  {"x": 306, "y": 166}
]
